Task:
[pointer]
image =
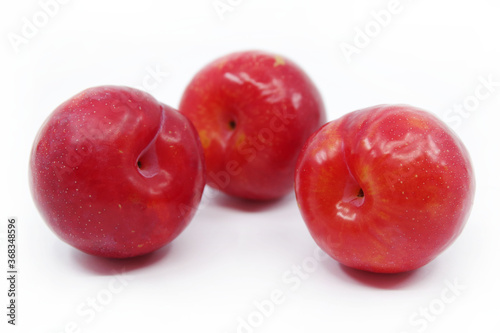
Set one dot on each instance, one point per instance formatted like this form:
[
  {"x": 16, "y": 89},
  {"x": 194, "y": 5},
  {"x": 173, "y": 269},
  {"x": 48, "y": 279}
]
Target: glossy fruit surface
[
  {"x": 115, "y": 173},
  {"x": 385, "y": 189},
  {"x": 253, "y": 112}
]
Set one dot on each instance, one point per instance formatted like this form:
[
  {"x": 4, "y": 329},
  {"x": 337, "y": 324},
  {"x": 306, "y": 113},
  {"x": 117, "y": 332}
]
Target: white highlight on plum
[
  {"x": 233, "y": 78},
  {"x": 296, "y": 99},
  {"x": 343, "y": 212}
]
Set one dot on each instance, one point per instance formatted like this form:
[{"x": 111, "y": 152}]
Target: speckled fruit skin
[
  {"x": 115, "y": 173},
  {"x": 385, "y": 189},
  {"x": 253, "y": 112}
]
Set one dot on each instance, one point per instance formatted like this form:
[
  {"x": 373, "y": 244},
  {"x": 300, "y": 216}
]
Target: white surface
[{"x": 432, "y": 54}]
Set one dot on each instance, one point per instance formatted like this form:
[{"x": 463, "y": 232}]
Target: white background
[{"x": 432, "y": 54}]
